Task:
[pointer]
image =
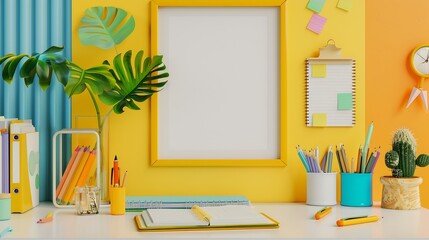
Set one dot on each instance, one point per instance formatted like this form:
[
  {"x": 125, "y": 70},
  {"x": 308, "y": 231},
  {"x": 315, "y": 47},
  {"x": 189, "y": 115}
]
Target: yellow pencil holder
[{"x": 117, "y": 200}]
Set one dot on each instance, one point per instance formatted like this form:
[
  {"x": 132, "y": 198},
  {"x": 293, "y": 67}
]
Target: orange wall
[{"x": 393, "y": 29}]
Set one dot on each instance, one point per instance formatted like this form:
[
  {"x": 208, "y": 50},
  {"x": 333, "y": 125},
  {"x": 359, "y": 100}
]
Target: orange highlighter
[
  {"x": 322, "y": 212},
  {"x": 356, "y": 220}
]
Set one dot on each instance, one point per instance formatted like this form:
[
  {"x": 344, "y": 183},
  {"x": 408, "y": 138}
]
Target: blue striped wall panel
[{"x": 28, "y": 26}]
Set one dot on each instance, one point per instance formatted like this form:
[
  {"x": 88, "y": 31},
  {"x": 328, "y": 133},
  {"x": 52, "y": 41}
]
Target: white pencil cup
[{"x": 322, "y": 189}]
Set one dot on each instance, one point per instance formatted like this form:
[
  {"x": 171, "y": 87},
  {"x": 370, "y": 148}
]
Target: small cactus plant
[{"x": 402, "y": 158}]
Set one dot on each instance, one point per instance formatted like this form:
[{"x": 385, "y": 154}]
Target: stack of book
[{"x": 139, "y": 203}]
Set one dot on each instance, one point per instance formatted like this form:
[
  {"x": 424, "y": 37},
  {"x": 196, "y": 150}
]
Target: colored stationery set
[
  {"x": 366, "y": 161},
  {"x": 310, "y": 160}
]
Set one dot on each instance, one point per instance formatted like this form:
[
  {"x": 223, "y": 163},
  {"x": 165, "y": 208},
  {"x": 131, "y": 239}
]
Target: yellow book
[
  {"x": 204, "y": 218},
  {"x": 60, "y": 198},
  {"x": 68, "y": 196}
]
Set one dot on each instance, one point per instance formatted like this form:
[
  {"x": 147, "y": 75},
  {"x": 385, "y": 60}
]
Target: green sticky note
[
  {"x": 344, "y": 101},
  {"x": 316, "y": 5},
  {"x": 319, "y": 119},
  {"x": 345, "y": 4},
  {"x": 318, "y": 70}
]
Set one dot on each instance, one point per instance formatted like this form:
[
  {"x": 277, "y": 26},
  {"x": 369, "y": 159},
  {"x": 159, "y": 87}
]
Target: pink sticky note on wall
[{"x": 316, "y": 23}]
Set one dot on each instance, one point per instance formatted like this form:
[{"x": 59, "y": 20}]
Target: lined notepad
[
  {"x": 229, "y": 216},
  {"x": 330, "y": 88}
]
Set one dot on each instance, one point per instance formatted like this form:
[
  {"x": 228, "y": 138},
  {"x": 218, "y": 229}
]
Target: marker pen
[
  {"x": 322, "y": 212},
  {"x": 356, "y": 220}
]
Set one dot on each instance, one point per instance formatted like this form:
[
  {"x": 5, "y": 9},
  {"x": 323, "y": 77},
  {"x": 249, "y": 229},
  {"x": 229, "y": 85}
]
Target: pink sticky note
[{"x": 316, "y": 23}]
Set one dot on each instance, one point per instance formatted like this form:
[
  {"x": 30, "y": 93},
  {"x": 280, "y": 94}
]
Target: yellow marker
[
  {"x": 357, "y": 220},
  {"x": 322, "y": 212}
]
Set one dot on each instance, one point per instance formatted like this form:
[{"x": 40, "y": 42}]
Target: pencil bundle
[
  {"x": 79, "y": 169},
  {"x": 311, "y": 162},
  {"x": 365, "y": 161},
  {"x": 349, "y": 166}
]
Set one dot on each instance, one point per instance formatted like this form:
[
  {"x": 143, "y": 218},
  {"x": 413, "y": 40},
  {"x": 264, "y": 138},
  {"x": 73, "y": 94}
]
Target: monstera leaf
[
  {"x": 42, "y": 65},
  {"x": 134, "y": 85},
  {"x": 98, "y": 78},
  {"x": 105, "y": 27}
]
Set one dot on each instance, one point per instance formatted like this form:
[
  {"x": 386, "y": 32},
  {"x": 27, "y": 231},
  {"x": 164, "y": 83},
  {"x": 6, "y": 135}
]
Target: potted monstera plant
[
  {"x": 120, "y": 85},
  {"x": 401, "y": 190}
]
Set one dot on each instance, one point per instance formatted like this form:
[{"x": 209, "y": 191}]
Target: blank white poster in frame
[{"x": 223, "y": 104}]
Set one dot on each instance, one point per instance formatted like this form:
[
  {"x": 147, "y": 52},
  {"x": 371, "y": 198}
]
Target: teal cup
[
  {"x": 356, "y": 189},
  {"x": 5, "y": 207}
]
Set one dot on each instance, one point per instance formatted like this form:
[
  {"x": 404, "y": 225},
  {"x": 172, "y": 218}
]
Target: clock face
[{"x": 420, "y": 61}]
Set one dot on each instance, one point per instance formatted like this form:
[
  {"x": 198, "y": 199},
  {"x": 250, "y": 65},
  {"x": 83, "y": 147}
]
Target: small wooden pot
[{"x": 401, "y": 193}]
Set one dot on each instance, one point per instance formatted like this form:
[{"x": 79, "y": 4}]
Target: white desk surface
[{"x": 296, "y": 221}]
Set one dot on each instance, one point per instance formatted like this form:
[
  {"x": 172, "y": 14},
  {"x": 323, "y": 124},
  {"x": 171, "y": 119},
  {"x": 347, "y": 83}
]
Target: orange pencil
[
  {"x": 47, "y": 218},
  {"x": 116, "y": 172},
  {"x": 66, "y": 172}
]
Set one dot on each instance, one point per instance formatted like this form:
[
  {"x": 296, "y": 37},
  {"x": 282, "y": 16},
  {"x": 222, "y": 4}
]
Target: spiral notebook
[
  {"x": 330, "y": 89},
  {"x": 138, "y": 203},
  {"x": 204, "y": 218}
]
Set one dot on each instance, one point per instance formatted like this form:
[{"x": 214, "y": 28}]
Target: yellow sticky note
[
  {"x": 319, "y": 119},
  {"x": 318, "y": 70},
  {"x": 345, "y": 4}
]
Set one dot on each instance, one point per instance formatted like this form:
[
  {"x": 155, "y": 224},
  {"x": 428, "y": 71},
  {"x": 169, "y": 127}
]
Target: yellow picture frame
[{"x": 280, "y": 161}]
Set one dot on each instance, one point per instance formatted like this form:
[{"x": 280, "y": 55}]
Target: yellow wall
[
  {"x": 129, "y": 138},
  {"x": 393, "y": 29}
]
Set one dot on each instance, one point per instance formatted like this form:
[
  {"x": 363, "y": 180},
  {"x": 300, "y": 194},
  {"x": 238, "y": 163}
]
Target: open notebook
[{"x": 216, "y": 217}]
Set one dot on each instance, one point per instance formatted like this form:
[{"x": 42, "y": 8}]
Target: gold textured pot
[{"x": 400, "y": 193}]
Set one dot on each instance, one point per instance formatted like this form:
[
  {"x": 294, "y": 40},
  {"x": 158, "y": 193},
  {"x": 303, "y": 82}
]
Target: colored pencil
[{"x": 359, "y": 159}]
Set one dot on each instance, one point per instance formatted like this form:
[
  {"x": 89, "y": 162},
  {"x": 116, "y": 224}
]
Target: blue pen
[{"x": 5, "y": 231}]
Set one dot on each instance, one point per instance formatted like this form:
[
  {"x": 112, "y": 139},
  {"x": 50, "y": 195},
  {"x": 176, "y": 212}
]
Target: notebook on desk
[
  {"x": 204, "y": 218},
  {"x": 139, "y": 203}
]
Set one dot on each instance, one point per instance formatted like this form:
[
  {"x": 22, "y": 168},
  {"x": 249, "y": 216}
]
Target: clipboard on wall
[{"x": 330, "y": 89}]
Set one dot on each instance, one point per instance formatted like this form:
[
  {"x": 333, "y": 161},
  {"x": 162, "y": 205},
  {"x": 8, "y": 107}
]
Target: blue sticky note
[
  {"x": 316, "y": 5},
  {"x": 344, "y": 101}
]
